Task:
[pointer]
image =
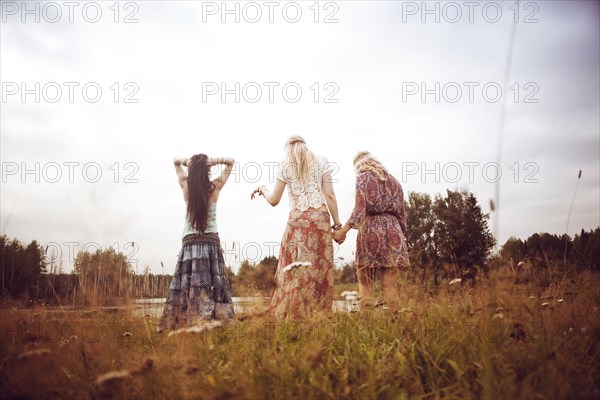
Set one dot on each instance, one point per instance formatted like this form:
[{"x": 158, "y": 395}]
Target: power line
[{"x": 511, "y": 45}]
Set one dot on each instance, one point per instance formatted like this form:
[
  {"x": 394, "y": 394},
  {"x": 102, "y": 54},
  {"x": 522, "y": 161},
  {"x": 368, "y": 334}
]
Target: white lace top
[{"x": 304, "y": 195}]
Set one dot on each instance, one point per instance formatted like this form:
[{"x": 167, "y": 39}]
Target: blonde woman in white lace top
[{"x": 307, "y": 240}]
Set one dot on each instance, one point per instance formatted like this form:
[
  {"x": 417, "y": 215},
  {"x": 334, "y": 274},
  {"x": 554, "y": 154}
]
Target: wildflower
[
  {"x": 498, "y": 316},
  {"x": 112, "y": 376},
  {"x": 349, "y": 295},
  {"x": 206, "y": 326},
  {"x": 111, "y": 383},
  {"x": 455, "y": 280},
  {"x": 297, "y": 264},
  {"x": 34, "y": 353},
  {"x": 127, "y": 334}
]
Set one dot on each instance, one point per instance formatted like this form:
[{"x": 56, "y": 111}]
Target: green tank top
[{"x": 211, "y": 224}]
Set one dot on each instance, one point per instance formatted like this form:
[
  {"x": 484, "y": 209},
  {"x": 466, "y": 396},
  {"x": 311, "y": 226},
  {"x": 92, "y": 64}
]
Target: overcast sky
[{"x": 353, "y": 80}]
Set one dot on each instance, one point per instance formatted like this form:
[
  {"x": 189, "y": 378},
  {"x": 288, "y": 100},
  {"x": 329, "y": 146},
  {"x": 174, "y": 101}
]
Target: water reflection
[{"x": 153, "y": 307}]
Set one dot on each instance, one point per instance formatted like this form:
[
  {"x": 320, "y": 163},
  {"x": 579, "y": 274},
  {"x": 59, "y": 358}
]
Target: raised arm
[
  {"x": 273, "y": 197},
  {"x": 181, "y": 174},
  {"x": 222, "y": 179}
]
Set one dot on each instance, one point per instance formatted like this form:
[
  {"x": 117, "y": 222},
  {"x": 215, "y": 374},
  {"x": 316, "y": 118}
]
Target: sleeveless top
[
  {"x": 305, "y": 195},
  {"x": 211, "y": 224}
]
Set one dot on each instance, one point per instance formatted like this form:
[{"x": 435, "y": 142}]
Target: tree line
[
  {"x": 99, "y": 277},
  {"x": 447, "y": 236},
  {"x": 582, "y": 251}
]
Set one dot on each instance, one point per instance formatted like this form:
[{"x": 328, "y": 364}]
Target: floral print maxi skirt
[
  {"x": 200, "y": 289},
  {"x": 303, "y": 289}
]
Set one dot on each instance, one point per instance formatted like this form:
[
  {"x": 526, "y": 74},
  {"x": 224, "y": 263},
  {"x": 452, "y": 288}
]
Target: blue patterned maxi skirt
[{"x": 200, "y": 289}]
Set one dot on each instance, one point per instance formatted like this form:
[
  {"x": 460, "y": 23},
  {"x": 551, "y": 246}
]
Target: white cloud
[{"x": 368, "y": 55}]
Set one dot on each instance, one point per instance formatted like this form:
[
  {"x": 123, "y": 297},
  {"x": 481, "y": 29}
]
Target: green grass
[{"x": 452, "y": 343}]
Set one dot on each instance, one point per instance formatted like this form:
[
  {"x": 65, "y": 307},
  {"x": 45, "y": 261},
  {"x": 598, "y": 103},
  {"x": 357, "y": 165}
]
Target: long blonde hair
[
  {"x": 299, "y": 158},
  {"x": 364, "y": 161}
]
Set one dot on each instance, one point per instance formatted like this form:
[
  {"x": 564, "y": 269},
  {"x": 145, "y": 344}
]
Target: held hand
[{"x": 339, "y": 236}]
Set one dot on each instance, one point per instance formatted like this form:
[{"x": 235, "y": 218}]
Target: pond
[{"x": 153, "y": 307}]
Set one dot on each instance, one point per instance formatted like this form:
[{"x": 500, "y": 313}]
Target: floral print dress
[
  {"x": 380, "y": 217},
  {"x": 307, "y": 241}
]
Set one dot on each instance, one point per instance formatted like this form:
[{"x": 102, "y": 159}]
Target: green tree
[
  {"x": 245, "y": 275},
  {"x": 513, "y": 251},
  {"x": 419, "y": 233},
  {"x": 585, "y": 252},
  {"x": 20, "y": 267},
  {"x": 346, "y": 274},
  {"x": 102, "y": 274},
  {"x": 264, "y": 274},
  {"x": 461, "y": 233},
  {"x": 547, "y": 246}
]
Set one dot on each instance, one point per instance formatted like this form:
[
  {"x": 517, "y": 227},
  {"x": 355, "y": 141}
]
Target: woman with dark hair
[
  {"x": 304, "y": 271},
  {"x": 200, "y": 289},
  {"x": 380, "y": 218}
]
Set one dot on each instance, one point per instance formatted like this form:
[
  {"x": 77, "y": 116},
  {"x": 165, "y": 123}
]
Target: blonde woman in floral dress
[
  {"x": 307, "y": 238},
  {"x": 380, "y": 217}
]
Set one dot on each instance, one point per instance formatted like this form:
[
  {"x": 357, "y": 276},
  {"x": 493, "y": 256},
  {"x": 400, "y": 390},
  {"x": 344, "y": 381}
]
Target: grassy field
[{"x": 496, "y": 340}]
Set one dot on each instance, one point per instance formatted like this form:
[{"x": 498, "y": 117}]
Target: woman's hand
[
  {"x": 210, "y": 161},
  {"x": 272, "y": 196},
  {"x": 259, "y": 191},
  {"x": 180, "y": 161},
  {"x": 339, "y": 236}
]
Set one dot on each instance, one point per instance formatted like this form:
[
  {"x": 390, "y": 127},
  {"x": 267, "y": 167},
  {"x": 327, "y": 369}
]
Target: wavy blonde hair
[
  {"x": 299, "y": 157},
  {"x": 364, "y": 161}
]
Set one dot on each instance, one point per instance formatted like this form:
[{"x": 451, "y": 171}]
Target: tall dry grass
[{"x": 497, "y": 339}]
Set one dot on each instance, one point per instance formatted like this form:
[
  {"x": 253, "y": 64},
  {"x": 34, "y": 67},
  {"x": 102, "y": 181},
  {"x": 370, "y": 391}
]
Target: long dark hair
[{"x": 199, "y": 189}]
